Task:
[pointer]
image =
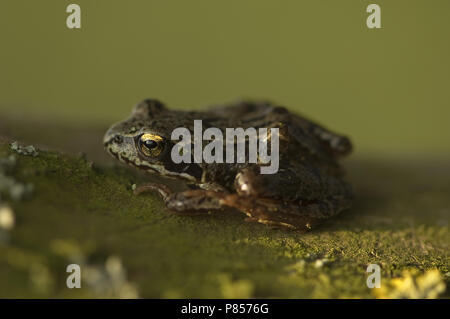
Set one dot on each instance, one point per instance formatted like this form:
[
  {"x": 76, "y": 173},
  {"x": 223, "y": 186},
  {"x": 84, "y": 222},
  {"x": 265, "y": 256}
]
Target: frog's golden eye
[{"x": 151, "y": 145}]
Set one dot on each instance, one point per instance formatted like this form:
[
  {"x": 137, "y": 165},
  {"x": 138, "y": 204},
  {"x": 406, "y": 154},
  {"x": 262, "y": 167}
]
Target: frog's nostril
[{"x": 118, "y": 139}]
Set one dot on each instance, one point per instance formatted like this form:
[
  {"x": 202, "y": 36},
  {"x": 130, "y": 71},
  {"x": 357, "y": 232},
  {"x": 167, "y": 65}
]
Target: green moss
[{"x": 84, "y": 214}]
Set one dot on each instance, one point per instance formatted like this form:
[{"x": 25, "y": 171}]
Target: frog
[{"x": 308, "y": 188}]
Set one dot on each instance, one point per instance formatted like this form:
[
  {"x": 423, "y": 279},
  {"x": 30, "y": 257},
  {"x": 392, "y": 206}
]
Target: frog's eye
[{"x": 151, "y": 145}]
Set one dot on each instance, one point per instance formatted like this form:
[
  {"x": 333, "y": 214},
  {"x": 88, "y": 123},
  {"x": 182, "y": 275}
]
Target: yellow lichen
[
  {"x": 412, "y": 285},
  {"x": 235, "y": 289}
]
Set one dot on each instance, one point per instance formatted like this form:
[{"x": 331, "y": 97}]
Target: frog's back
[{"x": 299, "y": 133}]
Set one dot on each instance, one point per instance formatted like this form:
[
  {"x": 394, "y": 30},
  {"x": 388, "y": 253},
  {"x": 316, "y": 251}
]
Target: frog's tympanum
[{"x": 307, "y": 189}]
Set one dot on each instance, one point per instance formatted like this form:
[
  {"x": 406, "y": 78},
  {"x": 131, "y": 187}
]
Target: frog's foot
[
  {"x": 271, "y": 212},
  {"x": 197, "y": 201},
  {"x": 186, "y": 202},
  {"x": 295, "y": 215}
]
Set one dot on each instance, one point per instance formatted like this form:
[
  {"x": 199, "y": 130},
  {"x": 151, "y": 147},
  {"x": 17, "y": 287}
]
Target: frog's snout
[
  {"x": 119, "y": 146},
  {"x": 116, "y": 139},
  {"x": 111, "y": 136},
  {"x": 107, "y": 138}
]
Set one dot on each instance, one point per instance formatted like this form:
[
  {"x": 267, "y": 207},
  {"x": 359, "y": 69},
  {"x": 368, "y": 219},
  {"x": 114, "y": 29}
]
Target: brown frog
[{"x": 307, "y": 189}]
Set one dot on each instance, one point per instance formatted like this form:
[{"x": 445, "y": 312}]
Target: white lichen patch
[
  {"x": 7, "y": 163},
  {"x": 9, "y": 186},
  {"x": 106, "y": 279},
  {"x": 109, "y": 280},
  {"x": 319, "y": 263},
  {"x": 29, "y": 150},
  {"x": 7, "y": 218}
]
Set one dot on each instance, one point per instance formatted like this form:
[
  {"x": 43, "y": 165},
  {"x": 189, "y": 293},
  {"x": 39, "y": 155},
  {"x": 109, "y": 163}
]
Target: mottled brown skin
[{"x": 307, "y": 189}]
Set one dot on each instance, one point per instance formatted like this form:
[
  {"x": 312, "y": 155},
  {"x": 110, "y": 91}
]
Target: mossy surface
[{"x": 85, "y": 213}]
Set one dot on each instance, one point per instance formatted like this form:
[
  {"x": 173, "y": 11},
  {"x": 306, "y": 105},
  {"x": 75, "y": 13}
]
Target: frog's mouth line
[
  {"x": 131, "y": 163},
  {"x": 146, "y": 168}
]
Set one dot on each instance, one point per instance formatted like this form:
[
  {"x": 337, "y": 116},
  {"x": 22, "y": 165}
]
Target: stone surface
[{"x": 83, "y": 213}]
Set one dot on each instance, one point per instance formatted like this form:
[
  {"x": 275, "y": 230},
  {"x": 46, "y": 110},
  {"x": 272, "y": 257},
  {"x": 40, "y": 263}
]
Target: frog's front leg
[
  {"x": 202, "y": 201},
  {"x": 189, "y": 201}
]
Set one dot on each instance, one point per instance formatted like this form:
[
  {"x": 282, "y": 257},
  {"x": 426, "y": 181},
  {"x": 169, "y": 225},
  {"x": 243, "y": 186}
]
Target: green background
[{"x": 387, "y": 88}]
